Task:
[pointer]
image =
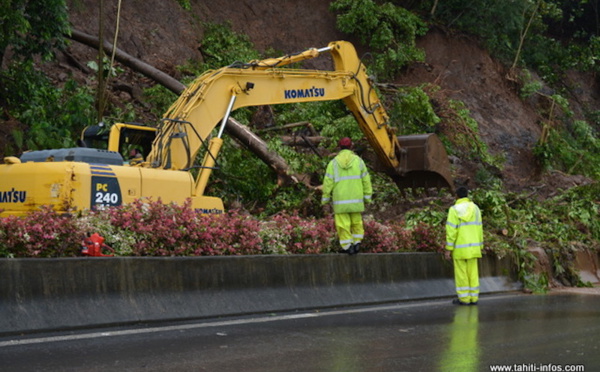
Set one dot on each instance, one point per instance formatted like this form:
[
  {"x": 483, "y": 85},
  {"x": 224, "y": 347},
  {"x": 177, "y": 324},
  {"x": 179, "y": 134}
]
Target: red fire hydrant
[{"x": 93, "y": 245}]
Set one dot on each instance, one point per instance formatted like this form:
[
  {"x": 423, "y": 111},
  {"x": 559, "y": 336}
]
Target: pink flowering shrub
[
  {"x": 151, "y": 228},
  {"x": 426, "y": 238},
  {"x": 177, "y": 230},
  {"x": 231, "y": 233},
  {"x": 43, "y": 233},
  {"x": 285, "y": 233},
  {"x": 379, "y": 238},
  {"x": 394, "y": 237}
]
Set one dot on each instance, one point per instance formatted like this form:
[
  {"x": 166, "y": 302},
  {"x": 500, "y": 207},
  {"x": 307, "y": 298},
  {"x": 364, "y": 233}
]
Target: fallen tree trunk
[
  {"x": 307, "y": 141},
  {"x": 240, "y": 132}
]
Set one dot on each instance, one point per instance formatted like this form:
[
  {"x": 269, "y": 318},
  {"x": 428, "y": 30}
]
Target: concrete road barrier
[{"x": 71, "y": 293}]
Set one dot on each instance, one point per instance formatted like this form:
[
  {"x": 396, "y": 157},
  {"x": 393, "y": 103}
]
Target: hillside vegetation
[{"x": 511, "y": 90}]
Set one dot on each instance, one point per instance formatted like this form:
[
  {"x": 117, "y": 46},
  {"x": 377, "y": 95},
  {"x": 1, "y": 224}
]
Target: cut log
[{"x": 302, "y": 140}]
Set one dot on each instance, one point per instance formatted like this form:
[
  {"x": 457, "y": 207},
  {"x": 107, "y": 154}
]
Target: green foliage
[
  {"x": 464, "y": 135},
  {"x": 54, "y": 116},
  {"x": 432, "y": 215},
  {"x": 588, "y": 58},
  {"x": 298, "y": 163},
  {"x": 550, "y": 36},
  {"x": 107, "y": 69},
  {"x": 525, "y": 263},
  {"x": 548, "y": 57},
  {"x": 241, "y": 176},
  {"x": 561, "y": 225},
  {"x": 221, "y": 46},
  {"x": 185, "y": 4},
  {"x": 412, "y": 112},
  {"x": 388, "y": 29},
  {"x": 159, "y": 98},
  {"x": 530, "y": 85},
  {"x": 491, "y": 201},
  {"x": 33, "y": 27},
  {"x": 243, "y": 179},
  {"x": 319, "y": 114},
  {"x": 330, "y": 118},
  {"x": 575, "y": 150},
  {"x": 499, "y": 24},
  {"x": 343, "y": 127},
  {"x": 126, "y": 114}
]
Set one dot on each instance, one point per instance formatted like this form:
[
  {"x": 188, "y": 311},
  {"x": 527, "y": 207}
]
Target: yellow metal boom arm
[{"x": 208, "y": 101}]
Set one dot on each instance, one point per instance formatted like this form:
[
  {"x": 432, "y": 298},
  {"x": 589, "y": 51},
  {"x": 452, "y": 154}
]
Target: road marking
[{"x": 224, "y": 323}]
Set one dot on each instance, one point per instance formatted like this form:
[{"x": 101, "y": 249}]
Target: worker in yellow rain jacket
[
  {"x": 348, "y": 185},
  {"x": 464, "y": 241}
]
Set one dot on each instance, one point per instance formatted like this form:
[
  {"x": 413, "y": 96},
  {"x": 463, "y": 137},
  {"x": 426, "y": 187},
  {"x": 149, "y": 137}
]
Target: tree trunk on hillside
[{"x": 242, "y": 133}]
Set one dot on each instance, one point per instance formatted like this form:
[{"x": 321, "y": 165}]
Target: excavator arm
[{"x": 207, "y": 103}]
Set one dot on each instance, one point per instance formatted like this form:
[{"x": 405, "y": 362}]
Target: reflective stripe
[
  {"x": 469, "y": 245},
  {"x": 347, "y": 201},
  {"x": 337, "y": 178},
  {"x": 325, "y": 199},
  {"x": 467, "y": 288},
  {"x": 367, "y": 196},
  {"x": 358, "y": 236},
  {"x": 473, "y": 223},
  {"x": 345, "y": 178}
]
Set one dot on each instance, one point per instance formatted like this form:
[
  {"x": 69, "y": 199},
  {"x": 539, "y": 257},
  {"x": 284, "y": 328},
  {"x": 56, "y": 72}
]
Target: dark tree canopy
[{"x": 32, "y": 27}]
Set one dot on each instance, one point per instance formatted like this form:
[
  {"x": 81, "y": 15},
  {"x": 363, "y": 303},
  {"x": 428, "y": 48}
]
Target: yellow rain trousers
[
  {"x": 466, "y": 279},
  {"x": 349, "y": 227}
]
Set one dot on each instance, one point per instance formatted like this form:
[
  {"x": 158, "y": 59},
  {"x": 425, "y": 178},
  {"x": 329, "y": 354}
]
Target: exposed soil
[{"x": 164, "y": 35}]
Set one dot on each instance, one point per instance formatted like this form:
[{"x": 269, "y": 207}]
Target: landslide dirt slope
[{"x": 164, "y": 35}]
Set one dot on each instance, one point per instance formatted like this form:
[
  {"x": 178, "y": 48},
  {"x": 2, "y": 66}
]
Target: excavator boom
[{"x": 209, "y": 100}]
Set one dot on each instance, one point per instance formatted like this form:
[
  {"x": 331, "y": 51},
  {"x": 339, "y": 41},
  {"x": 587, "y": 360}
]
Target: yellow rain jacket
[
  {"x": 464, "y": 230},
  {"x": 347, "y": 178}
]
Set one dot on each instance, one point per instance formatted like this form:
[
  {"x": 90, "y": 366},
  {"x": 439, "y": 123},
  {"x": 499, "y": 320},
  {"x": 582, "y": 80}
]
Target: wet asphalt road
[{"x": 554, "y": 332}]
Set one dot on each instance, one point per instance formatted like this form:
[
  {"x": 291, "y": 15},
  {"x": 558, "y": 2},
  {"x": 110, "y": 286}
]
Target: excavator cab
[{"x": 123, "y": 138}]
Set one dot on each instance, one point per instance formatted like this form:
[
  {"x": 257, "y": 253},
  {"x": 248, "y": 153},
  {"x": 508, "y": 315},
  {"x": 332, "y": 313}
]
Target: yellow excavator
[{"x": 81, "y": 178}]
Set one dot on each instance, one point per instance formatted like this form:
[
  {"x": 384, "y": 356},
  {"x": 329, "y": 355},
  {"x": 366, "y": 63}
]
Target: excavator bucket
[{"x": 425, "y": 163}]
